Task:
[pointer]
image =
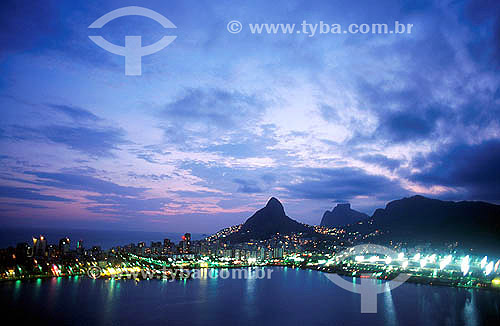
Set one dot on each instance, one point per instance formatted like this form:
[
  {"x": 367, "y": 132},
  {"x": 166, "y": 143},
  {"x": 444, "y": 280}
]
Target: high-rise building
[
  {"x": 52, "y": 251},
  {"x": 168, "y": 247},
  {"x": 39, "y": 246},
  {"x": 261, "y": 253},
  {"x": 186, "y": 243},
  {"x": 79, "y": 247},
  {"x": 96, "y": 251},
  {"x": 227, "y": 253},
  {"x": 23, "y": 251},
  {"x": 278, "y": 252},
  {"x": 64, "y": 245},
  {"x": 156, "y": 247}
]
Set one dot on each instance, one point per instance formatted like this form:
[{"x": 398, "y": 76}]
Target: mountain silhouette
[
  {"x": 266, "y": 222},
  {"x": 470, "y": 223},
  {"x": 342, "y": 214}
]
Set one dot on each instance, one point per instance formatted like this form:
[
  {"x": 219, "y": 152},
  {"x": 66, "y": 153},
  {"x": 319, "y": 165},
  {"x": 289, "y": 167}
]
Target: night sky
[{"x": 218, "y": 122}]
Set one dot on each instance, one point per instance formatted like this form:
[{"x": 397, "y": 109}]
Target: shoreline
[{"x": 413, "y": 279}]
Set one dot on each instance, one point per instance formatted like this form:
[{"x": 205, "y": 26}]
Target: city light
[
  {"x": 359, "y": 259},
  {"x": 464, "y": 266},
  {"x": 484, "y": 261},
  {"x": 489, "y": 268},
  {"x": 432, "y": 258},
  {"x": 144, "y": 262},
  {"x": 444, "y": 262}
]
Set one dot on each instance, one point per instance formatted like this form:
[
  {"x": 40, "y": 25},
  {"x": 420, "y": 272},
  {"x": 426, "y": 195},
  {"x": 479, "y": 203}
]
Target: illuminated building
[
  {"x": 262, "y": 253},
  {"x": 185, "y": 244},
  {"x": 39, "y": 246},
  {"x": 79, "y": 247},
  {"x": 64, "y": 246},
  {"x": 278, "y": 252}
]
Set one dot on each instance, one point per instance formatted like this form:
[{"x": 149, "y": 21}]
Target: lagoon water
[{"x": 290, "y": 297}]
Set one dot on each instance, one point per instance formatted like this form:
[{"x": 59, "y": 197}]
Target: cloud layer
[{"x": 220, "y": 122}]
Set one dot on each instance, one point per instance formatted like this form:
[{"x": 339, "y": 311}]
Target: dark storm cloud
[
  {"x": 434, "y": 91},
  {"x": 28, "y": 193},
  {"x": 217, "y": 107},
  {"x": 471, "y": 168},
  {"x": 382, "y": 161},
  {"x": 75, "y": 113},
  {"x": 483, "y": 17},
  {"x": 93, "y": 141},
  {"x": 25, "y": 24},
  {"x": 247, "y": 186},
  {"x": 84, "y": 183},
  {"x": 435, "y": 86},
  {"x": 343, "y": 184},
  {"x": 199, "y": 115},
  {"x": 74, "y": 127},
  {"x": 406, "y": 113},
  {"x": 53, "y": 28},
  {"x": 406, "y": 126}
]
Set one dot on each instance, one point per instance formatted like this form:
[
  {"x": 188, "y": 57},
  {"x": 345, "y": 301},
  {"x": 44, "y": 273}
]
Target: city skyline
[{"x": 220, "y": 122}]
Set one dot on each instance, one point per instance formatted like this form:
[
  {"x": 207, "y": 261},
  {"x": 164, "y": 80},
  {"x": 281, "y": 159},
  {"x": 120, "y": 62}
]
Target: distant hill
[
  {"x": 342, "y": 214},
  {"x": 471, "y": 223},
  {"x": 266, "y": 222}
]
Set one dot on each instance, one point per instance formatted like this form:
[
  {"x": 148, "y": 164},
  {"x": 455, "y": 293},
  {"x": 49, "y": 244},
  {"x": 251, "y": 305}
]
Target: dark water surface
[{"x": 289, "y": 297}]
